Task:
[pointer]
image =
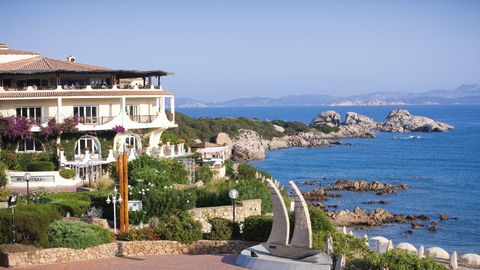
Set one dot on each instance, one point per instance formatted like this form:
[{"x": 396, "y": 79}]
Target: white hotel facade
[{"x": 40, "y": 88}]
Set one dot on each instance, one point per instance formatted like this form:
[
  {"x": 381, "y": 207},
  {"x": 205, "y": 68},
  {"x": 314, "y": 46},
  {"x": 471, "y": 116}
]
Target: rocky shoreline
[{"x": 249, "y": 145}]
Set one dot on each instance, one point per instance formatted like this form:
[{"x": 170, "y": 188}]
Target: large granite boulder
[
  {"x": 247, "y": 145},
  {"x": 354, "y": 118},
  {"x": 402, "y": 121},
  {"x": 331, "y": 118},
  {"x": 223, "y": 139}
]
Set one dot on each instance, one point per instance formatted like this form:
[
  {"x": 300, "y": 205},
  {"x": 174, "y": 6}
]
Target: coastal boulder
[
  {"x": 353, "y": 118},
  {"x": 223, "y": 139},
  {"x": 402, "y": 121},
  {"x": 331, "y": 118},
  {"x": 247, "y": 145}
]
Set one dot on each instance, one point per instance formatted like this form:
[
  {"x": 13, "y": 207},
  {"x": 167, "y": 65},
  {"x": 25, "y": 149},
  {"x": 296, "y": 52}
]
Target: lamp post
[
  {"x": 89, "y": 164},
  {"x": 12, "y": 202},
  {"x": 27, "y": 178},
  {"x": 233, "y": 194},
  {"x": 114, "y": 201}
]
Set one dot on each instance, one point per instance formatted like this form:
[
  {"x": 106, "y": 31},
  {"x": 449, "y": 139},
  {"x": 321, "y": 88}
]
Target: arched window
[
  {"x": 30, "y": 145},
  {"x": 88, "y": 142},
  {"x": 132, "y": 141}
]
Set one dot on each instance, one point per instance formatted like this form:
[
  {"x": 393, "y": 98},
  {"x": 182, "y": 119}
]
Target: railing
[
  {"x": 38, "y": 120},
  {"x": 80, "y": 87},
  {"x": 143, "y": 118},
  {"x": 95, "y": 120}
]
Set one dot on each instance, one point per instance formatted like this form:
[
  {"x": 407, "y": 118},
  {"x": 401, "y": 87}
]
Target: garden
[{"x": 162, "y": 187}]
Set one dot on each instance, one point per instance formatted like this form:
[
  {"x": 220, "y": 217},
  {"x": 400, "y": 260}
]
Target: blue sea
[{"x": 442, "y": 169}]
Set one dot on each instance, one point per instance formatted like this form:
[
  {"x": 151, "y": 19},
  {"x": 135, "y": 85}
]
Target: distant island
[{"x": 464, "y": 94}]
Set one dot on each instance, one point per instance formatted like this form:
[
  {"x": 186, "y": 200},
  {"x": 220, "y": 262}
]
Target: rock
[
  {"x": 432, "y": 228},
  {"x": 279, "y": 128},
  {"x": 443, "y": 217},
  {"x": 331, "y": 118},
  {"x": 247, "y": 146},
  {"x": 223, "y": 139},
  {"x": 375, "y": 202},
  {"x": 353, "y": 118},
  {"x": 363, "y": 185},
  {"x": 360, "y": 217},
  {"x": 311, "y": 183},
  {"x": 402, "y": 121}
]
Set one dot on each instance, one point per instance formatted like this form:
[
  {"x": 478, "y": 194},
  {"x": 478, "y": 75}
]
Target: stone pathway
[{"x": 177, "y": 262}]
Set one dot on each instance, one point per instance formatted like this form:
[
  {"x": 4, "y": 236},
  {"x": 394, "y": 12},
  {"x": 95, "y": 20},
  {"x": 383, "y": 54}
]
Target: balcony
[
  {"x": 143, "y": 118},
  {"x": 95, "y": 120},
  {"x": 81, "y": 87}
]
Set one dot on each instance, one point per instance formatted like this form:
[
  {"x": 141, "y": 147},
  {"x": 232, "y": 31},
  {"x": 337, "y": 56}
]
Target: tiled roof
[
  {"x": 5, "y": 50},
  {"x": 79, "y": 93},
  {"x": 44, "y": 64}
]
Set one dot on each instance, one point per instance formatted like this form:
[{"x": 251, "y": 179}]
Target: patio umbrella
[
  {"x": 389, "y": 245},
  {"x": 421, "y": 252},
  {"x": 453, "y": 261}
]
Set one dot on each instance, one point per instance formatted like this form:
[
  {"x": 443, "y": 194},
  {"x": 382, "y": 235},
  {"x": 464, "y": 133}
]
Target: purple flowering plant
[
  {"x": 118, "y": 129},
  {"x": 15, "y": 128}
]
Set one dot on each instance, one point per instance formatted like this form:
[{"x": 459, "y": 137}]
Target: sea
[{"x": 442, "y": 169}]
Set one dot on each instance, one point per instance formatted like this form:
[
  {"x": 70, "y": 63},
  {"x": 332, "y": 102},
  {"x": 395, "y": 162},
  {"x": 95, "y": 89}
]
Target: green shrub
[
  {"x": 203, "y": 173},
  {"x": 221, "y": 229},
  {"x": 37, "y": 166},
  {"x": 144, "y": 234},
  {"x": 257, "y": 228},
  {"x": 181, "y": 228},
  {"x": 319, "y": 221},
  {"x": 31, "y": 224},
  {"x": 167, "y": 201},
  {"x": 158, "y": 172},
  {"x": 76, "y": 203},
  {"x": 21, "y": 161},
  {"x": 246, "y": 171},
  {"x": 254, "y": 189},
  {"x": 67, "y": 173},
  {"x": 229, "y": 168},
  {"x": 3, "y": 175},
  {"x": 394, "y": 260},
  {"x": 327, "y": 129},
  {"x": 77, "y": 235}
]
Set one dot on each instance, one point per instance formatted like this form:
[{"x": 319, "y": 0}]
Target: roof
[
  {"x": 205, "y": 145},
  {"x": 80, "y": 93},
  {"x": 45, "y": 64},
  {"x": 4, "y": 49}
]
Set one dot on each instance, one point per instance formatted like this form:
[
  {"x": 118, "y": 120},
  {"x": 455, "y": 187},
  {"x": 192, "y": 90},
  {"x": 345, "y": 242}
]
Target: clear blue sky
[{"x": 227, "y": 49}]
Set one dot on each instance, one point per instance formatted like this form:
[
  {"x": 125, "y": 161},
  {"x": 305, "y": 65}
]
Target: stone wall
[
  {"x": 243, "y": 210},
  {"x": 133, "y": 248}
]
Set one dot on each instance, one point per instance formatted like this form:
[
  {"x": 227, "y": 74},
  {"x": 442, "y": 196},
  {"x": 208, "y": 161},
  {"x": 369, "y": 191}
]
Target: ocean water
[{"x": 442, "y": 169}]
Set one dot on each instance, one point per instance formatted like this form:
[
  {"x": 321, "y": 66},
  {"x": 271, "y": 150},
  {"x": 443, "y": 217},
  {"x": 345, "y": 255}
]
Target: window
[
  {"x": 33, "y": 113},
  {"x": 132, "y": 110},
  {"x": 26, "y": 145},
  {"x": 86, "y": 114},
  {"x": 87, "y": 142},
  {"x": 131, "y": 141}
]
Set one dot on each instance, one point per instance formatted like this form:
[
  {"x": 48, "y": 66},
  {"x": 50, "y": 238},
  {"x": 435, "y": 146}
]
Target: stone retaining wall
[
  {"x": 243, "y": 210},
  {"x": 133, "y": 248}
]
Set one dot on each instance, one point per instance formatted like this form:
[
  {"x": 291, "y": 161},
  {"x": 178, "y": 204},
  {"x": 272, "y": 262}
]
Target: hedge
[
  {"x": 35, "y": 166},
  {"x": 77, "y": 235},
  {"x": 182, "y": 229},
  {"x": 203, "y": 173},
  {"x": 257, "y": 228},
  {"x": 221, "y": 229},
  {"x": 3, "y": 175},
  {"x": 67, "y": 173}
]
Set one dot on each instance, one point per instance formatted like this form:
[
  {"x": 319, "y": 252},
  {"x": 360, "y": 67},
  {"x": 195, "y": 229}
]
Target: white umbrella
[
  {"x": 421, "y": 252},
  {"x": 344, "y": 230},
  {"x": 437, "y": 253},
  {"x": 453, "y": 261},
  {"x": 470, "y": 259},
  {"x": 407, "y": 247},
  {"x": 351, "y": 233},
  {"x": 366, "y": 239},
  {"x": 389, "y": 245}
]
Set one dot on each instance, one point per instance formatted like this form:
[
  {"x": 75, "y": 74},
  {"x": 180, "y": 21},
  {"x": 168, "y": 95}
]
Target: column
[
  {"x": 123, "y": 102},
  {"x": 59, "y": 110},
  {"x": 157, "y": 101},
  {"x": 172, "y": 108}
]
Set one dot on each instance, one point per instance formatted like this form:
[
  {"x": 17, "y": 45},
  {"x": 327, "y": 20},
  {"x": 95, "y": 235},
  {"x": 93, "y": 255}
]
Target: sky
[{"x": 221, "y": 50}]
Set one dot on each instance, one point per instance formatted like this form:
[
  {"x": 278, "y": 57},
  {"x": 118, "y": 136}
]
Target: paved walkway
[{"x": 177, "y": 262}]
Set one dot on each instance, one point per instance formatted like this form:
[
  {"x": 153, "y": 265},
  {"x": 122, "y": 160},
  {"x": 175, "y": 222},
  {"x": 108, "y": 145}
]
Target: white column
[
  {"x": 162, "y": 105},
  {"x": 123, "y": 101},
  {"x": 59, "y": 110},
  {"x": 157, "y": 100},
  {"x": 172, "y": 108}
]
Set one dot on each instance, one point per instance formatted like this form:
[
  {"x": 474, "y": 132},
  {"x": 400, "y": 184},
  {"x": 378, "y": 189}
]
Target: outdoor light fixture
[
  {"x": 12, "y": 202},
  {"x": 27, "y": 178},
  {"x": 112, "y": 198},
  {"x": 233, "y": 194}
]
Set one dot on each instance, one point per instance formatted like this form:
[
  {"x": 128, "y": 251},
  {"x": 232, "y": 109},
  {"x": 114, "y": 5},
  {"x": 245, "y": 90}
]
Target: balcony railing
[
  {"x": 79, "y": 87},
  {"x": 38, "y": 120},
  {"x": 143, "y": 118},
  {"x": 95, "y": 120}
]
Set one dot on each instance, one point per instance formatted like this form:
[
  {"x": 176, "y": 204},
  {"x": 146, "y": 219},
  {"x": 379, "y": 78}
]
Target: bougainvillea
[
  {"x": 51, "y": 131},
  {"x": 118, "y": 129},
  {"x": 15, "y": 128},
  {"x": 70, "y": 124}
]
